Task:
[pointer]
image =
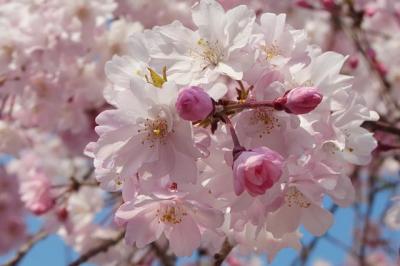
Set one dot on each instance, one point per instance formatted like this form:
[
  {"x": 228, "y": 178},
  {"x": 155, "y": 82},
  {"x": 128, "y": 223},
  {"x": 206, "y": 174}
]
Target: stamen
[
  {"x": 295, "y": 197},
  {"x": 331, "y": 148},
  {"x": 156, "y": 130},
  {"x": 171, "y": 214},
  {"x": 210, "y": 53},
  {"x": 267, "y": 118},
  {"x": 271, "y": 51}
]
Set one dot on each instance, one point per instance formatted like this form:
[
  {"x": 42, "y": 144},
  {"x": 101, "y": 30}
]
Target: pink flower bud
[
  {"x": 302, "y": 100},
  {"x": 381, "y": 68},
  {"x": 370, "y": 11},
  {"x": 256, "y": 171},
  {"x": 353, "y": 61},
  {"x": 194, "y": 104},
  {"x": 62, "y": 214},
  {"x": 328, "y": 4},
  {"x": 304, "y": 4}
]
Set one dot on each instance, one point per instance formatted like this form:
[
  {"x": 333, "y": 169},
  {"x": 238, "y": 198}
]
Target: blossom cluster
[
  {"x": 203, "y": 126},
  {"x": 233, "y": 130}
]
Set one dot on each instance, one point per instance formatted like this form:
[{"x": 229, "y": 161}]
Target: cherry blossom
[{"x": 140, "y": 131}]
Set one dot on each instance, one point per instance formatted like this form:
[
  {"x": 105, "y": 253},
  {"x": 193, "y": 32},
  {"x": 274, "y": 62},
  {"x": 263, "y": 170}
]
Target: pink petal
[
  {"x": 316, "y": 220},
  {"x": 184, "y": 237}
]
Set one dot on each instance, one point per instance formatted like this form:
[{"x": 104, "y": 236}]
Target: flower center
[
  {"x": 266, "y": 117},
  {"x": 271, "y": 51},
  {"x": 156, "y": 131},
  {"x": 171, "y": 214},
  {"x": 210, "y": 53},
  {"x": 295, "y": 197},
  {"x": 331, "y": 148}
]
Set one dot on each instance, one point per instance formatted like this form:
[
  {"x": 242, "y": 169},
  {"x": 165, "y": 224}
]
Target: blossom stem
[
  {"x": 248, "y": 105},
  {"x": 237, "y": 148}
]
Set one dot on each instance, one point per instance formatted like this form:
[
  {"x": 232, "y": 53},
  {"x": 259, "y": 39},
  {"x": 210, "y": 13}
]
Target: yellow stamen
[{"x": 295, "y": 197}]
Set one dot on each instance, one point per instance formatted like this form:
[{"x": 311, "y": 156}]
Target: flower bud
[
  {"x": 370, "y": 11},
  {"x": 353, "y": 61},
  {"x": 304, "y": 4},
  {"x": 328, "y": 4},
  {"x": 194, "y": 104},
  {"x": 381, "y": 68},
  {"x": 302, "y": 100},
  {"x": 62, "y": 214},
  {"x": 256, "y": 171}
]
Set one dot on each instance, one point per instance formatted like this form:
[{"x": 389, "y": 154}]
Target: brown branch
[
  {"x": 26, "y": 248},
  {"x": 223, "y": 253},
  {"x": 342, "y": 245},
  {"x": 99, "y": 249},
  {"x": 162, "y": 255},
  {"x": 371, "y": 200},
  {"x": 381, "y": 126}
]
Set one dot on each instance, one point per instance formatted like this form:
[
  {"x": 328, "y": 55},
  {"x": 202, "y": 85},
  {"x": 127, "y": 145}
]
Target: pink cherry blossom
[
  {"x": 257, "y": 170},
  {"x": 36, "y": 193},
  {"x": 181, "y": 221},
  {"x": 212, "y": 127}
]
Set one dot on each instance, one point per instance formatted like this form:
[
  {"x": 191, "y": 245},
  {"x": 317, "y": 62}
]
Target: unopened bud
[
  {"x": 194, "y": 104},
  {"x": 328, "y": 4},
  {"x": 302, "y": 100},
  {"x": 304, "y": 4}
]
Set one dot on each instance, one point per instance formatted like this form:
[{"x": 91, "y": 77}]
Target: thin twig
[
  {"x": 342, "y": 245},
  {"x": 162, "y": 255},
  {"x": 378, "y": 125},
  {"x": 237, "y": 148},
  {"x": 26, "y": 248},
  {"x": 371, "y": 200},
  {"x": 99, "y": 249},
  {"x": 223, "y": 253}
]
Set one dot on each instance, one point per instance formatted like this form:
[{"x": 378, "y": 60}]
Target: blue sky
[{"x": 52, "y": 250}]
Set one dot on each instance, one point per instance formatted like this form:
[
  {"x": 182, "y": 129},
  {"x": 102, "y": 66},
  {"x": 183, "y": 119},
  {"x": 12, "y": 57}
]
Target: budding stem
[
  {"x": 237, "y": 148},
  {"x": 249, "y": 105}
]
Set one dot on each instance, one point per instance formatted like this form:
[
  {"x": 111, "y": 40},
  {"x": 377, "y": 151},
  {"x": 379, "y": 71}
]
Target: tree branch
[
  {"x": 378, "y": 125},
  {"x": 162, "y": 256},
  {"x": 99, "y": 249},
  {"x": 367, "y": 221},
  {"x": 26, "y": 248},
  {"x": 223, "y": 253}
]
